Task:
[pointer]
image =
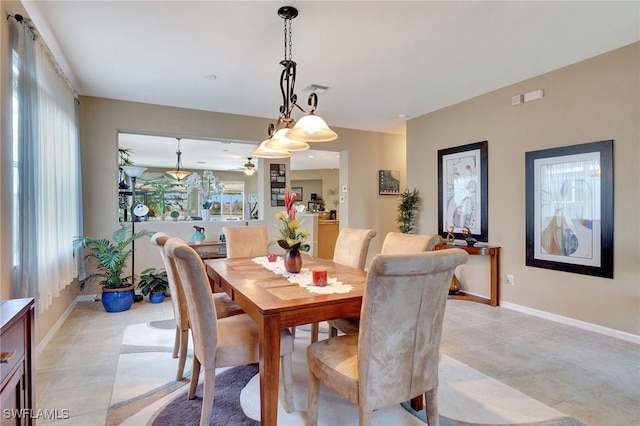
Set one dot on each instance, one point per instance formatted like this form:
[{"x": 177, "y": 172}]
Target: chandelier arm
[
  {"x": 313, "y": 102},
  {"x": 287, "y": 87}
]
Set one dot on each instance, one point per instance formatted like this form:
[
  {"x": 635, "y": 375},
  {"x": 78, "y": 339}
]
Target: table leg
[
  {"x": 495, "y": 276},
  {"x": 269, "y": 344}
]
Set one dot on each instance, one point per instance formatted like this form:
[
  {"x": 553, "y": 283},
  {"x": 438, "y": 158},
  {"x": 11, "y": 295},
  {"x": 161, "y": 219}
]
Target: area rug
[{"x": 146, "y": 393}]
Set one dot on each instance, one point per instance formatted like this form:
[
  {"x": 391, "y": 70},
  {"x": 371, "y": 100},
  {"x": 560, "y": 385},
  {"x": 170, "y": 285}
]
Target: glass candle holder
[{"x": 319, "y": 276}]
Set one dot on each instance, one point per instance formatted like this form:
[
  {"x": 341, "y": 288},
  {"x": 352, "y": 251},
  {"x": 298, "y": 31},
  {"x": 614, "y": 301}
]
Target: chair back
[
  {"x": 246, "y": 241},
  {"x": 401, "y": 324},
  {"x": 202, "y": 311},
  {"x": 398, "y": 242},
  {"x": 178, "y": 299},
  {"x": 352, "y": 246}
]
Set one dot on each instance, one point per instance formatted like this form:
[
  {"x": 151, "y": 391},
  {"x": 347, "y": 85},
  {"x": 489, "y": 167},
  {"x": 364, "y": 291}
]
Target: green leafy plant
[
  {"x": 408, "y": 206},
  {"x": 110, "y": 257},
  {"x": 158, "y": 196},
  {"x": 153, "y": 280}
]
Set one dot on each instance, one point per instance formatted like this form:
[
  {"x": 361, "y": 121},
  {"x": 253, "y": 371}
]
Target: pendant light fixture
[
  {"x": 179, "y": 173},
  {"x": 310, "y": 128},
  {"x": 249, "y": 168}
]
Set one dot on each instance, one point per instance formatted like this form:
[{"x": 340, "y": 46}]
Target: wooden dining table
[{"x": 274, "y": 303}]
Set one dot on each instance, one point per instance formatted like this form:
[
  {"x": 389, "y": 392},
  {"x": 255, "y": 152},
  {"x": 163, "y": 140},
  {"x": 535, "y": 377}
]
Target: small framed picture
[{"x": 388, "y": 182}]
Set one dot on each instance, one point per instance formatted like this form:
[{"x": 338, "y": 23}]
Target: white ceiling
[{"x": 380, "y": 59}]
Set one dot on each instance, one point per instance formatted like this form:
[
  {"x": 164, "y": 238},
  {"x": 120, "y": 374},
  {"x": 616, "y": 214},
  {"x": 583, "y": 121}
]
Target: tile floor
[{"x": 593, "y": 378}]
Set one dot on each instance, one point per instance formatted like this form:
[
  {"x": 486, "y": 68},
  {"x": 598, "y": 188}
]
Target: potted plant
[
  {"x": 157, "y": 197},
  {"x": 408, "y": 206},
  {"x": 154, "y": 282},
  {"x": 175, "y": 214},
  {"x": 110, "y": 260}
]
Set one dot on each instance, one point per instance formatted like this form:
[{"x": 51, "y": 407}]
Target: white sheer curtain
[{"x": 47, "y": 187}]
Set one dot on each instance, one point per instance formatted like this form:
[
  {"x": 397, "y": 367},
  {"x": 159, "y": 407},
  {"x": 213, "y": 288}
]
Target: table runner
[{"x": 303, "y": 278}]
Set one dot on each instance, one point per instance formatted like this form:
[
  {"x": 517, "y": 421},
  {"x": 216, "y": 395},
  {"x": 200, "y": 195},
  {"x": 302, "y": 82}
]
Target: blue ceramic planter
[
  {"x": 156, "y": 297},
  {"x": 117, "y": 300}
]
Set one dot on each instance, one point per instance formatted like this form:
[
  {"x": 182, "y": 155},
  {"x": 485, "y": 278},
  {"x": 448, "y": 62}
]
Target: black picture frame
[
  {"x": 388, "y": 182},
  {"x": 569, "y": 208},
  {"x": 463, "y": 191}
]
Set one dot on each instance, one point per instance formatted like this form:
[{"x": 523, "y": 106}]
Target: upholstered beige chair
[
  {"x": 394, "y": 243},
  {"x": 225, "y": 307},
  {"x": 352, "y": 246},
  {"x": 398, "y": 243},
  {"x": 219, "y": 342},
  {"x": 394, "y": 356},
  {"x": 246, "y": 241}
]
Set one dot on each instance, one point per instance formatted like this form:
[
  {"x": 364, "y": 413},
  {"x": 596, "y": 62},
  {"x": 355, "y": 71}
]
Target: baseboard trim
[
  {"x": 633, "y": 338},
  {"x": 53, "y": 330},
  {"x": 87, "y": 297}
]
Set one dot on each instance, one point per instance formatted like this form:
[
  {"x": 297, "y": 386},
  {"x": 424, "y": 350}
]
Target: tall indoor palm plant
[{"x": 110, "y": 257}]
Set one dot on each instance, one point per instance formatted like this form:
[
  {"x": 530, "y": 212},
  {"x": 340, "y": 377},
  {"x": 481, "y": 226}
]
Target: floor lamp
[{"x": 133, "y": 172}]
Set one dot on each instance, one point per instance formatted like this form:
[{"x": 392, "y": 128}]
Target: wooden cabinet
[
  {"x": 327, "y": 236},
  {"x": 17, "y": 361}
]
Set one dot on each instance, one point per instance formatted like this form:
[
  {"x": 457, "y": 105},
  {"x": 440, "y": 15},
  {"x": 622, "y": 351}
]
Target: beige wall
[
  {"x": 593, "y": 100},
  {"x": 324, "y": 182}
]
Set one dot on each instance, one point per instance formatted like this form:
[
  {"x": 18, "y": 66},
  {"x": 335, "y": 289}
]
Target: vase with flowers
[
  {"x": 292, "y": 236},
  {"x": 207, "y": 186}
]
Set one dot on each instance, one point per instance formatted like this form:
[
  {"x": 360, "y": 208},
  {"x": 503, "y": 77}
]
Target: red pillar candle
[{"x": 319, "y": 275}]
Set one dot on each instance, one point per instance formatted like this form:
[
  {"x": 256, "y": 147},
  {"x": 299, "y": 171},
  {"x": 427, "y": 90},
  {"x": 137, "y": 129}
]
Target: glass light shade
[
  {"x": 249, "y": 172},
  {"x": 282, "y": 143},
  {"x": 312, "y": 128},
  {"x": 178, "y": 174},
  {"x": 263, "y": 152},
  {"x": 134, "y": 171}
]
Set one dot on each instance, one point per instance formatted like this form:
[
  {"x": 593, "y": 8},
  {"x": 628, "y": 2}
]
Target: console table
[
  {"x": 480, "y": 249},
  {"x": 210, "y": 249}
]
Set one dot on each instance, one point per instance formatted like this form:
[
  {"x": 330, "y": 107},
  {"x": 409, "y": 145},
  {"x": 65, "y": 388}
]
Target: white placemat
[{"x": 303, "y": 278}]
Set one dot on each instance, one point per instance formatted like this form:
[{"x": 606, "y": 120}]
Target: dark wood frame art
[
  {"x": 476, "y": 157},
  {"x": 558, "y": 179}
]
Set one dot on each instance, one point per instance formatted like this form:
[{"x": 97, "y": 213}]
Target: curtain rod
[{"x": 28, "y": 22}]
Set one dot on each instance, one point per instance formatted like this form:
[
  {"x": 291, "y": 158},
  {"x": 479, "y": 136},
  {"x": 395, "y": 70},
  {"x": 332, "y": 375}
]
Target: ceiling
[{"x": 384, "y": 61}]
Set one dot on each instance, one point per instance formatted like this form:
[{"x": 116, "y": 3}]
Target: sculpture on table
[{"x": 466, "y": 233}]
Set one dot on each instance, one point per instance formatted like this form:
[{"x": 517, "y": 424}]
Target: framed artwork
[
  {"x": 277, "y": 175},
  {"x": 463, "y": 191},
  {"x": 569, "y": 208},
  {"x": 298, "y": 191},
  {"x": 388, "y": 182}
]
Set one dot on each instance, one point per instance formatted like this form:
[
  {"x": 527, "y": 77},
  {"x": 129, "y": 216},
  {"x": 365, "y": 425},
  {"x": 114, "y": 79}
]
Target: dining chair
[
  {"x": 394, "y": 243},
  {"x": 394, "y": 357},
  {"x": 225, "y": 307},
  {"x": 220, "y": 342},
  {"x": 352, "y": 246},
  {"x": 246, "y": 241}
]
